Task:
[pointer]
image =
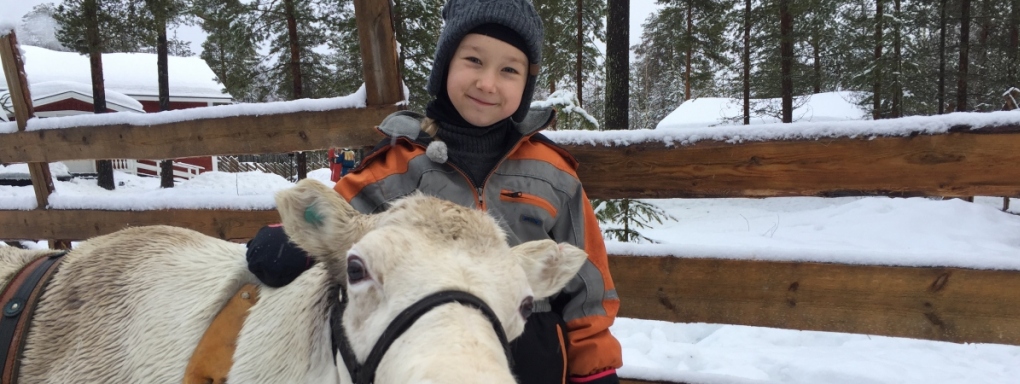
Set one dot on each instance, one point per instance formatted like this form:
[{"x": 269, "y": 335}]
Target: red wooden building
[{"x": 60, "y": 83}]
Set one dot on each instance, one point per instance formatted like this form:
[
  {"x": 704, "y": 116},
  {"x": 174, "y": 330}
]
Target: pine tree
[
  {"x": 816, "y": 32},
  {"x": 745, "y": 61},
  {"x": 994, "y": 53},
  {"x": 116, "y": 31},
  {"x": 417, "y": 23},
  {"x": 617, "y": 65},
  {"x": 786, "y": 58},
  {"x": 345, "y": 53},
  {"x": 39, "y": 28},
  {"x": 699, "y": 29},
  {"x": 866, "y": 39},
  {"x": 561, "y": 50},
  {"x": 656, "y": 82},
  {"x": 293, "y": 29},
  {"x": 916, "y": 64},
  {"x": 230, "y": 49},
  {"x": 963, "y": 67},
  {"x": 681, "y": 56},
  {"x": 161, "y": 15},
  {"x": 622, "y": 219},
  {"x": 94, "y": 27}
]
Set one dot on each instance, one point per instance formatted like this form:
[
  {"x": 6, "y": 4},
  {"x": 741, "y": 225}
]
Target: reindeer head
[{"x": 419, "y": 246}]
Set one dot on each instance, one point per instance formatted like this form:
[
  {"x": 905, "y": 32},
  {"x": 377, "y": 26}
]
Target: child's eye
[
  {"x": 473, "y": 59},
  {"x": 511, "y": 70}
]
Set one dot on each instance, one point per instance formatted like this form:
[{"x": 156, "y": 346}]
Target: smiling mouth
[{"x": 477, "y": 101}]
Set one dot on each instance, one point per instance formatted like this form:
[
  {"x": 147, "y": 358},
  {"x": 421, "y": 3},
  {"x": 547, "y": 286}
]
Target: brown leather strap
[
  {"x": 214, "y": 354},
  {"x": 19, "y": 299}
]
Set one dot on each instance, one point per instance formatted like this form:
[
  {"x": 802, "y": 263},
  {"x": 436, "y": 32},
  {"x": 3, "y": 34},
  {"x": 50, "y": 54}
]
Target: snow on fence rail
[{"x": 964, "y": 160}]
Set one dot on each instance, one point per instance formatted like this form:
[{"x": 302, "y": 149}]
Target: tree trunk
[
  {"x": 982, "y": 74},
  {"x": 295, "y": 49},
  {"x": 625, "y": 203},
  {"x": 617, "y": 103},
  {"x": 876, "y": 112},
  {"x": 897, "y": 101},
  {"x": 295, "y": 72},
  {"x": 1014, "y": 44},
  {"x": 942, "y": 58},
  {"x": 398, "y": 32},
  {"x": 580, "y": 52},
  {"x": 747, "y": 62},
  {"x": 104, "y": 168},
  {"x": 786, "y": 58},
  {"x": 816, "y": 47},
  {"x": 166, "y": 167},
  {"x": 961, "y": 79},
  {"x": 690, "y": 51},
  {"x": 817, "y": 59}
]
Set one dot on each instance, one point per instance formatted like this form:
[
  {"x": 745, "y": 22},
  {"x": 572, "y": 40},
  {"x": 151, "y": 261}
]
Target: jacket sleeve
[{"x": 591, "y": 302}]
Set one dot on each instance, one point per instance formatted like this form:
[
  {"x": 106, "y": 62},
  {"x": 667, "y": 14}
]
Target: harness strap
[
  {"x": 365, "y": 373},
  {"x": 214, "y": 355},
  {"x": 19, "y": 299}
]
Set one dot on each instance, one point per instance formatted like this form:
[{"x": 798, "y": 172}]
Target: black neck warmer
[{"x": 474, "y": 150}]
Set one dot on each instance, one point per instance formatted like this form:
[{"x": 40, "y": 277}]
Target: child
[{"x": 478, "y": 145}]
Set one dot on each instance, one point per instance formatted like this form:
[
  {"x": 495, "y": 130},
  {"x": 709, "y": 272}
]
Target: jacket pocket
[{"x": 526, "y": 198}]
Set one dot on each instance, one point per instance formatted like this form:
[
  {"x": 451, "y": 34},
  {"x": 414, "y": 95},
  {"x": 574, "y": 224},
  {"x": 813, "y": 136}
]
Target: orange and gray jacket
[{"x": 533, "y": 192}]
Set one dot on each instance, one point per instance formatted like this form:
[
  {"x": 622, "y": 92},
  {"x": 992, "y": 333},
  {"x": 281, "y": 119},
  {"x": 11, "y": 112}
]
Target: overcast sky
[{"x": 639, "y": 11}]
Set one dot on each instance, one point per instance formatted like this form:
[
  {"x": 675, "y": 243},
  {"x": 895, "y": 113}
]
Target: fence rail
[
  {"x": 957, "y": 164},
  {"x": 281, "y": 133}
]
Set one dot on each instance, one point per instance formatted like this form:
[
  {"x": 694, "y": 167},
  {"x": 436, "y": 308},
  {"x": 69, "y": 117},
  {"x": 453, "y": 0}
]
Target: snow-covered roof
[
  {"x": 49, "y": 91},
  {"x": 133, "y": 74},
  {"x": 712, "y": 111}
]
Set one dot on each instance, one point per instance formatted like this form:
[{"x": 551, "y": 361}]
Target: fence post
[
  {"x": 21, "y": 99},
  {"x": 378, "y": 52}
]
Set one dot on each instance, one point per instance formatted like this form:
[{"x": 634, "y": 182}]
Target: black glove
[{"x": 274, "y": 259}]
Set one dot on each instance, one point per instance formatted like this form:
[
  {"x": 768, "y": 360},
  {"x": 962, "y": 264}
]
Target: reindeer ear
[
  {"x": 317, "y": 219},
  {"x": 549, "y": 266}
]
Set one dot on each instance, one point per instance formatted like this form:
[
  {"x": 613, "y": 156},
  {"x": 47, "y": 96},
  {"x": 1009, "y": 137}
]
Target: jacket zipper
[
  {"x": 485, "y": 181},
  {"x": 480, "y": 191},
  {"x": 527, "y": 198}
]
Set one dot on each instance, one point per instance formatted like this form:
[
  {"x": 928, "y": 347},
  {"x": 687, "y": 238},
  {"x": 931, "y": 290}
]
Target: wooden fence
[
  {"x": 282, "y": 164},
  {"x": 950, "y": 304}
]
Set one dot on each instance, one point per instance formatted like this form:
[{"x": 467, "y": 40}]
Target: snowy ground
[{"x": 869, "y": 230}]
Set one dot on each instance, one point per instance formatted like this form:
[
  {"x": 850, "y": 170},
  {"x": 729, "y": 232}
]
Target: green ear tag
[{"x": 313, "y": 217}]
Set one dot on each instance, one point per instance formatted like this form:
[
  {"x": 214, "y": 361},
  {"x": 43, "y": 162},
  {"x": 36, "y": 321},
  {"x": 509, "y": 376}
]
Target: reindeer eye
[
  {"x": 527, "y": 305},
  {"x": 356, "y": 270}
]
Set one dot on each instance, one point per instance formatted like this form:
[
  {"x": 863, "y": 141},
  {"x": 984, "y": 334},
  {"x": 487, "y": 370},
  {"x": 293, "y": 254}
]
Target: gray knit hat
[{"x": 462, "y": 16}]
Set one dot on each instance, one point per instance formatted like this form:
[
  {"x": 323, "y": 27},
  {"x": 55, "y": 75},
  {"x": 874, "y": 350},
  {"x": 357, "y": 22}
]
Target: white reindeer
[{"x": 131, "y": 306}]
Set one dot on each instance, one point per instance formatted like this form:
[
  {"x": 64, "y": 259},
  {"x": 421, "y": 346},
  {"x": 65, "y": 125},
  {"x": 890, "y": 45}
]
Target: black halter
[{"x": 365, "y": 373}]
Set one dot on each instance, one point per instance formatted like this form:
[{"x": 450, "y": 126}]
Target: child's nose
[{"x": 486, "y": 82}]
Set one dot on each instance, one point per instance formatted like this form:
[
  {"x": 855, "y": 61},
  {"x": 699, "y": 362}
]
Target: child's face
[{"x": 486, "y": 79}]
